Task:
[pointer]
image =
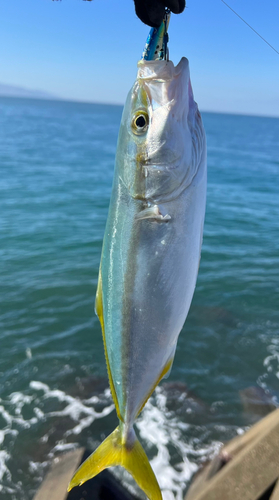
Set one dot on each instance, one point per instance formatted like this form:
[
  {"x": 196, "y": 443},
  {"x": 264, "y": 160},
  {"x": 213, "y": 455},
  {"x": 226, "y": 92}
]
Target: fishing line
[{"x": 250, "y": 27}]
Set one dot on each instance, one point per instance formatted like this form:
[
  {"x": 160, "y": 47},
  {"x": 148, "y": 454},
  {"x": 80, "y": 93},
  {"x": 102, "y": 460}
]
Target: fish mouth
[
  {"x": 162, "y": 71},
  {"x": 166, "y": 85}
]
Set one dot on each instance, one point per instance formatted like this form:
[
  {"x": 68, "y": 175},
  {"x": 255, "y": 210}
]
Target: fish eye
[{"x": 140, "y": 122}]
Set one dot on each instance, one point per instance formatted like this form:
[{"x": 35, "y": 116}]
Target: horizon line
[{"x": 102, "y": 103}]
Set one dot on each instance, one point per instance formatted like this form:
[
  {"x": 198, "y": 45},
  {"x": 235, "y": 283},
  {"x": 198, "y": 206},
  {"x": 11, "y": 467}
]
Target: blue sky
[{"x": 88, "y": 50}]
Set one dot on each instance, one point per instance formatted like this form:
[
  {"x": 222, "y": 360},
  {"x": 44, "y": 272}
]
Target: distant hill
[{"x": 14, "y": 91}]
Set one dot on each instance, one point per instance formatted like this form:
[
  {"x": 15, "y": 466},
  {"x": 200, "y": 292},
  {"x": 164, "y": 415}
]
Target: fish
[{"x": 151, "y": 253}]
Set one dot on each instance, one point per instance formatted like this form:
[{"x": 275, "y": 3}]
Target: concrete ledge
[
  {"x": 56, "y": 482},
  {"x": 245, "y": 469},
  {"x": 275, "y": 493}
]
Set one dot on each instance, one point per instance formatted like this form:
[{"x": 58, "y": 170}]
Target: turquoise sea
[{"x": 56, "y": 168}]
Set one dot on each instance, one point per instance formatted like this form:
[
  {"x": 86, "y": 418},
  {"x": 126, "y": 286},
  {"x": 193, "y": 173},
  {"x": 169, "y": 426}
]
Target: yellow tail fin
[{"x": 130, "y": 455}]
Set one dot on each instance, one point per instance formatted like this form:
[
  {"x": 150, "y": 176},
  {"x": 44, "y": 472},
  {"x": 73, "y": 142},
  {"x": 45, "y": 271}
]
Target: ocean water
[{"x": 56, "y": 166}]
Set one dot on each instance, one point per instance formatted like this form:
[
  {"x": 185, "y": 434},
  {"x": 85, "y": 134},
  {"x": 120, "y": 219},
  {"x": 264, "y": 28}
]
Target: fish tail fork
[{"x": 117, "y": 449}]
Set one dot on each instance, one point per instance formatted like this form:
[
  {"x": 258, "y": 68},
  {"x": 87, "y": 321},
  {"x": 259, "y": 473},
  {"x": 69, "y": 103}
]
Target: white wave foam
[
  {"x": 4, "y": 457},
  {"x": 75, "y": 408},
  {"x": 160, "y": 427},
  {"x": 14, "y": 410},
  {"x": 269, "y": 379},
  {"x": 12, "y": 415},
  {"x": 271, "y": 362},
  {"x": 61, "y": 447}
]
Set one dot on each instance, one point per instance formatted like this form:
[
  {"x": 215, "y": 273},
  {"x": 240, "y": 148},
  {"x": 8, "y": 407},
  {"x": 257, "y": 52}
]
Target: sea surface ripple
[{"x": 56, "y": 163}]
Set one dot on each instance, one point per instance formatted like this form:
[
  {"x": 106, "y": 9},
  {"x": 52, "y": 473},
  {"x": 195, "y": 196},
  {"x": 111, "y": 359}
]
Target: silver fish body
[
  {"x": 152, "y": 245},
  {"x": 153, "y": 237}
]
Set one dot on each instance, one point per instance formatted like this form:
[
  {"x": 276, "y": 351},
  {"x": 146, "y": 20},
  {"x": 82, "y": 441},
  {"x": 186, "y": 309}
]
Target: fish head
[{"x": 162, "y": 132}]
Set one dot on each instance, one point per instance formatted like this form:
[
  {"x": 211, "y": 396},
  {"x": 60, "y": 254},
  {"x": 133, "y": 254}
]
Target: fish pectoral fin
[
  {"x": 152, "y": 213},
  {"x": 115, "y": 450},
  {"x": 164, "y": 374}
]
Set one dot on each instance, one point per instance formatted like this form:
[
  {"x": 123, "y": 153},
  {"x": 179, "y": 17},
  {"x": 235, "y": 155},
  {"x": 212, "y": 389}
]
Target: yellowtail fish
[{"x": 151, "y": 252}]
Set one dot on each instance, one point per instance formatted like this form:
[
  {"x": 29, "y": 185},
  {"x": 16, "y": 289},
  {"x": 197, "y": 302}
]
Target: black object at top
[{"x": 152, "y": 12}]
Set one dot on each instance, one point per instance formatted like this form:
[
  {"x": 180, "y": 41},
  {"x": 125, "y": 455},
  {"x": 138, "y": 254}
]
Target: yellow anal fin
[
  {"x": 168, "y": 366},
  {"x": 113, "y": 451},
  {"x": 164, "y": 374},
  {"x": 100, "y": 313}
]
